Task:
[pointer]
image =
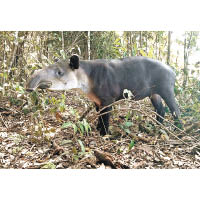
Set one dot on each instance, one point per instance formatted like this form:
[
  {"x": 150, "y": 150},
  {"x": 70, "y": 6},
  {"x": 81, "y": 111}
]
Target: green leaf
[
  {"x": 74, "y": 151},
  {"x": 150, "y": 54},
  {"x": 62, "y": 52},
  {"x": 72, "y": 111},
  {"x": 82, "y": 146},
  {"x": 128, "y": 115},
  {"x": 75, "y": 128},
  {"x": 128, "y": 124},
  {"x": 131, "y": 145},
  {"x": 86, "y": 126},
  {"x": 26, "y": 111},
  {"x": 65, "y": 142},
  {"x": 49, "y": 166},
  {"x": 81, "y": 127},
  {"x": 66, "y": 125},
  {"x": 127, "y": 130},
  {"x": 143, "y": 53}
]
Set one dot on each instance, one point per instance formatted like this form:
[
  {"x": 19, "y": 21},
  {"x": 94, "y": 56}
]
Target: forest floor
[{"x": 135, "y": 141}]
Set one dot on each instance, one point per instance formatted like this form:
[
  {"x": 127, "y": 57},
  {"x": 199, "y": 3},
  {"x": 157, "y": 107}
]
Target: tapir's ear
[{"x": 74, "y": 62}]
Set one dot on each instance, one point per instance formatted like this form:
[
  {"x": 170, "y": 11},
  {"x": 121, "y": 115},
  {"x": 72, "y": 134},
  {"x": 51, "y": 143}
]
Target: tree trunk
[
  {"x": 14, "y": 50},
  {"x": 3, "y": 67},
  {"x": 146, "y": 44},
  {"x": 63, "y": 41},
  {"x": 169, "y": 46},
  {"x": 131, "y": 46},
  {"x": 156, "y": 45},
  {"x": 185, "y": 64},
  {"x": 20, "y": 48},
  {"x": 127, "y": 42},
  {"x": 140, "y": 39},
  {"x": 186, "y": 55},
  {"x": 88, "y": 44}
]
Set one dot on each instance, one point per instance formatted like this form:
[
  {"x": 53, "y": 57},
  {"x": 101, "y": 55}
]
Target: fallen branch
[{"x": 98, "y": 114}]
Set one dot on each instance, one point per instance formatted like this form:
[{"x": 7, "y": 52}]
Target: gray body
[
  {"x": 105, "y": 80},
  {"x": 141, "y": 75}
]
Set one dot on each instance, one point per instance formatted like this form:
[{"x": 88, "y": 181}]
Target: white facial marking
[
  {"x": 83, "y": 82},
  {"x": 73, "y": 80}
]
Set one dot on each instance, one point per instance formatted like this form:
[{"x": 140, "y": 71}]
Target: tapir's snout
[
  {"x": 42, "y": 85},
  {"x": 29, "y": 90},
  {"x": 38, "y": 80},
  {"x": 31, "y": 85}
]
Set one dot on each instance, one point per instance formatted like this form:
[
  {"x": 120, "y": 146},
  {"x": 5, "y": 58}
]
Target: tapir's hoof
[
  {"x": 178, "y": 124},
  {"x": 103, "y": 132}
]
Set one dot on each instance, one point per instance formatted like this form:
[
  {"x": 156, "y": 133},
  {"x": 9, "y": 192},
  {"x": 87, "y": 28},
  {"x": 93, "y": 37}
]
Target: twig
[
  {"x": 142, "y": 112},
  {"x": 32, "y": 147},
  {"x": 86, "y": 113},
  {"x": 135, "y": 102},
  {"x": 3, "y": 121},
  {"x": 98, "y": 114}
]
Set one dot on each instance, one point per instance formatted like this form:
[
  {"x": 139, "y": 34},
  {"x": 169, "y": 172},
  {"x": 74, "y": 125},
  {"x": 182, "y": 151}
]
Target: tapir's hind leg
[{"x": 157, "y": 103}]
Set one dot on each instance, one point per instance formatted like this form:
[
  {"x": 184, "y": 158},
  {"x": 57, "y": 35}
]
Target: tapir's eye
[{"x": 60, "y": 73}]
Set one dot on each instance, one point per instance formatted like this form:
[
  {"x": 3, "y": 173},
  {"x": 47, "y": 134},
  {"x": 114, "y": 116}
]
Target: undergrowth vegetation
[{"x": 23, "y": 52}]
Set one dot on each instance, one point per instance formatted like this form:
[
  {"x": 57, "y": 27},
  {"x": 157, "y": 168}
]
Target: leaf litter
[{"x": 135, "y": 141}]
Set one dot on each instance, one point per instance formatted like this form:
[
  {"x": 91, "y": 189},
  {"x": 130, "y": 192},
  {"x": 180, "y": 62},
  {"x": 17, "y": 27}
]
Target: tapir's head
[{"x": 59, "y": 76}]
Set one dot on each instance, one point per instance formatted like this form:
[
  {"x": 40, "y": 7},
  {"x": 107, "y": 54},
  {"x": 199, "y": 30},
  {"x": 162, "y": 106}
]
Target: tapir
[{"x": 104, "y": 81}]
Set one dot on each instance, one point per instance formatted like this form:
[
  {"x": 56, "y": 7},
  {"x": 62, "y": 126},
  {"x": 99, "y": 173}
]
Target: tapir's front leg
[{"x": 103, "y": 120}]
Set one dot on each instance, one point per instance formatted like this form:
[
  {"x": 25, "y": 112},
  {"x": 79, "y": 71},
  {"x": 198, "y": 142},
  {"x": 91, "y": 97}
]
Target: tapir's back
[{"x": 141, "y": 74}]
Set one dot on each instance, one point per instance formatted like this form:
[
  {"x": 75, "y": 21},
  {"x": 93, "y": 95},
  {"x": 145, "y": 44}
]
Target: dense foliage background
[{"x": 21, "y": 52}]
